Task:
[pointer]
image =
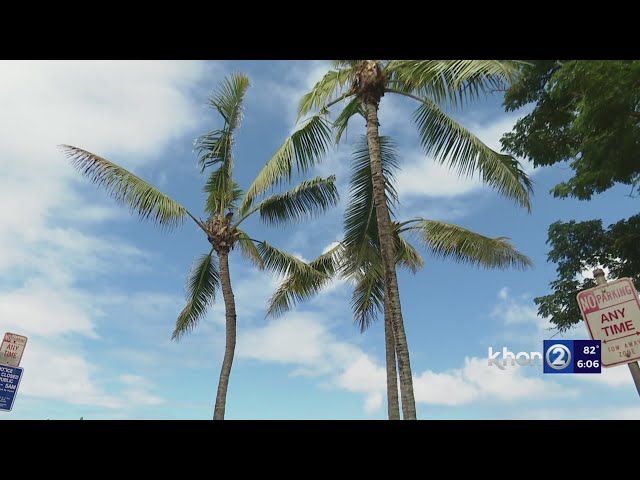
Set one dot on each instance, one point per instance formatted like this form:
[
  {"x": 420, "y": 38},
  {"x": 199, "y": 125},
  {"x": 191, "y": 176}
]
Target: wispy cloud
[
  {"x": 129, "y": 111},
  {"x": 304, "y": 341}
]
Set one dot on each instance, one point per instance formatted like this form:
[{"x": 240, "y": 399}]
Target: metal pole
[{"x": 634, "y": 368}]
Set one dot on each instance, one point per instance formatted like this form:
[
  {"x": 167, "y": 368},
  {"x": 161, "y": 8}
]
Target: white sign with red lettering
[
  {"x": 612, "y": 315},
  {"x": 11, "y": 349}
]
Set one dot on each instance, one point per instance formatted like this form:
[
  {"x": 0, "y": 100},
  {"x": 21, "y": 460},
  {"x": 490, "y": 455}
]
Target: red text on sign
[{"x": 621, "y": 327}]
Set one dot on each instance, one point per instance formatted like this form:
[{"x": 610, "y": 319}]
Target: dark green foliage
[
  {"x": 576, "y": 248},
  {"x": 586, "y": 112}
]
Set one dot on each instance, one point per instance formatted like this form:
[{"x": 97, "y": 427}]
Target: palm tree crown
[
  {"x": 222, "y": 227},
  {"x": 434, "y": 85}
]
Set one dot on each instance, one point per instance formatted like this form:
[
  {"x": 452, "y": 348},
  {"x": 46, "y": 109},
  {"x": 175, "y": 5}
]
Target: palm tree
[
  {"x": 222, "y": 228},
  {"x": 357, "y": 258},
  {"x": 435, "y": 85}
]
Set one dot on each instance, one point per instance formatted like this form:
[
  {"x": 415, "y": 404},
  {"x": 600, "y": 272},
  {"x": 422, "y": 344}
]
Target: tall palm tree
[
  {"x": 434, "y": 85},
  {"x": 222, "y": 227},
  {"x": 357, "y": 258}
]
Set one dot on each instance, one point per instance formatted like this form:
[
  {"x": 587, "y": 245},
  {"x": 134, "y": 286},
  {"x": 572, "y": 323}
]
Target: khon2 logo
[
  {"x": 572, "y": 356},
  {"x": 558, "y": 356}
]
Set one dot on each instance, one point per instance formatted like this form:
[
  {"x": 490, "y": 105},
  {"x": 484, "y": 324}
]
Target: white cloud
[
  {"x": 60, "y": 372},
  {"x": 129, "y": 111},
  {"x": 305, "y": 342},
  {"x": 477, "y": 381},
  {"x": 620, "y": 413},
  {"x": 43, "y": 312},
  {"x": 362, "y": 375},
  {"x": 373, "y": 403},
  {"x": 55, "y": 369},
  {"x": 518, "y": 311},
  {"x": 443, "y": 388},
  {"x": 132, "y": 107},
  {"x": 298, "y": 339},
  {"x": 131, "y": 379},
  {"x": 510, "y": 384},
  {"x": 618, "y": 376},
  {"x": 139, "y": 396},
  {"x": 421, "y": 176},
  {"x": 591, "y": 413}
]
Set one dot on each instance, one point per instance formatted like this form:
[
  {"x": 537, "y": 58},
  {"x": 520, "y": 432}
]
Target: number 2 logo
[{"x": 562, "y": 359}]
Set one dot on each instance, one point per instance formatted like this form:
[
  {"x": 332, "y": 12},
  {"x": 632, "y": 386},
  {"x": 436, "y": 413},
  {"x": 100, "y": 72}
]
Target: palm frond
[
  {"x": 248, "y": 249},
  {"x": 360, "y": 215},
  {"x": 360, "y": 257},
  {"x": 304, "y": 148},
  {"x": 125, "y": 188},
  {"x": 216, "y": 147},
  {"x": 367, "y": 299},
  {"x": 446, "y": 240},
  {"x": 354, "y": 107},
  {"x": 325, "y": 90},
  {"x": 406, "y": 254},
  {"x": 330, "y": 262},
  {"x": 284, "y": 264},
  {"x": 218, "y": 200},
  {"x": 212, "y": 148},
  {"x": 295, "y": 289},
  {"x": 201, "y": 288},
  {"x": 451, "y": 82},
  {"x": 309, "y": 198},
  {"x": 452, "y": 144},
  {"x": 228, "y": 98}
]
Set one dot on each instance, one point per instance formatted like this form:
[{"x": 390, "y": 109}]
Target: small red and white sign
[
  {"x": 612, "y": 315},
  {"x": 12, "y": 349}
]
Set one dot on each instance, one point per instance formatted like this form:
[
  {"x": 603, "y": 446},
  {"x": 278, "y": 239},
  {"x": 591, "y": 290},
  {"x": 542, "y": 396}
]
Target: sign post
[{"x": 611, "y": 312}]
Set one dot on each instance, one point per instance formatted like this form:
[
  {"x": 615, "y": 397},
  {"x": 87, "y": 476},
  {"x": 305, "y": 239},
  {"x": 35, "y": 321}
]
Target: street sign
[
  {"x": 9, "y": 382},
  {"x": 11, "y": 349},
  {"x": 612, "y": 315}
]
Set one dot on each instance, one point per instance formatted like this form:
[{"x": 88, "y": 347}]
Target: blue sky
[{"x": 97, "y": 292}]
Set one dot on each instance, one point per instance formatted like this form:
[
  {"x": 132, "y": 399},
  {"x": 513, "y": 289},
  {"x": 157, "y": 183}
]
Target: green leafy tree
[
  {"x": 222, "y": 227},
  {"x": 580, "y": 246},
  {"x": 586, "y": 113},
  {"x": 434, "y": 85},
  {"x": 357, "y": 257}
]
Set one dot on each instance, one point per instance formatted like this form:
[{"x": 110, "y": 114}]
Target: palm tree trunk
[
  {"x": 392, "y": 294},
  {"x": 393, "y": 405},
  {"x": 230, "y": 345}
]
